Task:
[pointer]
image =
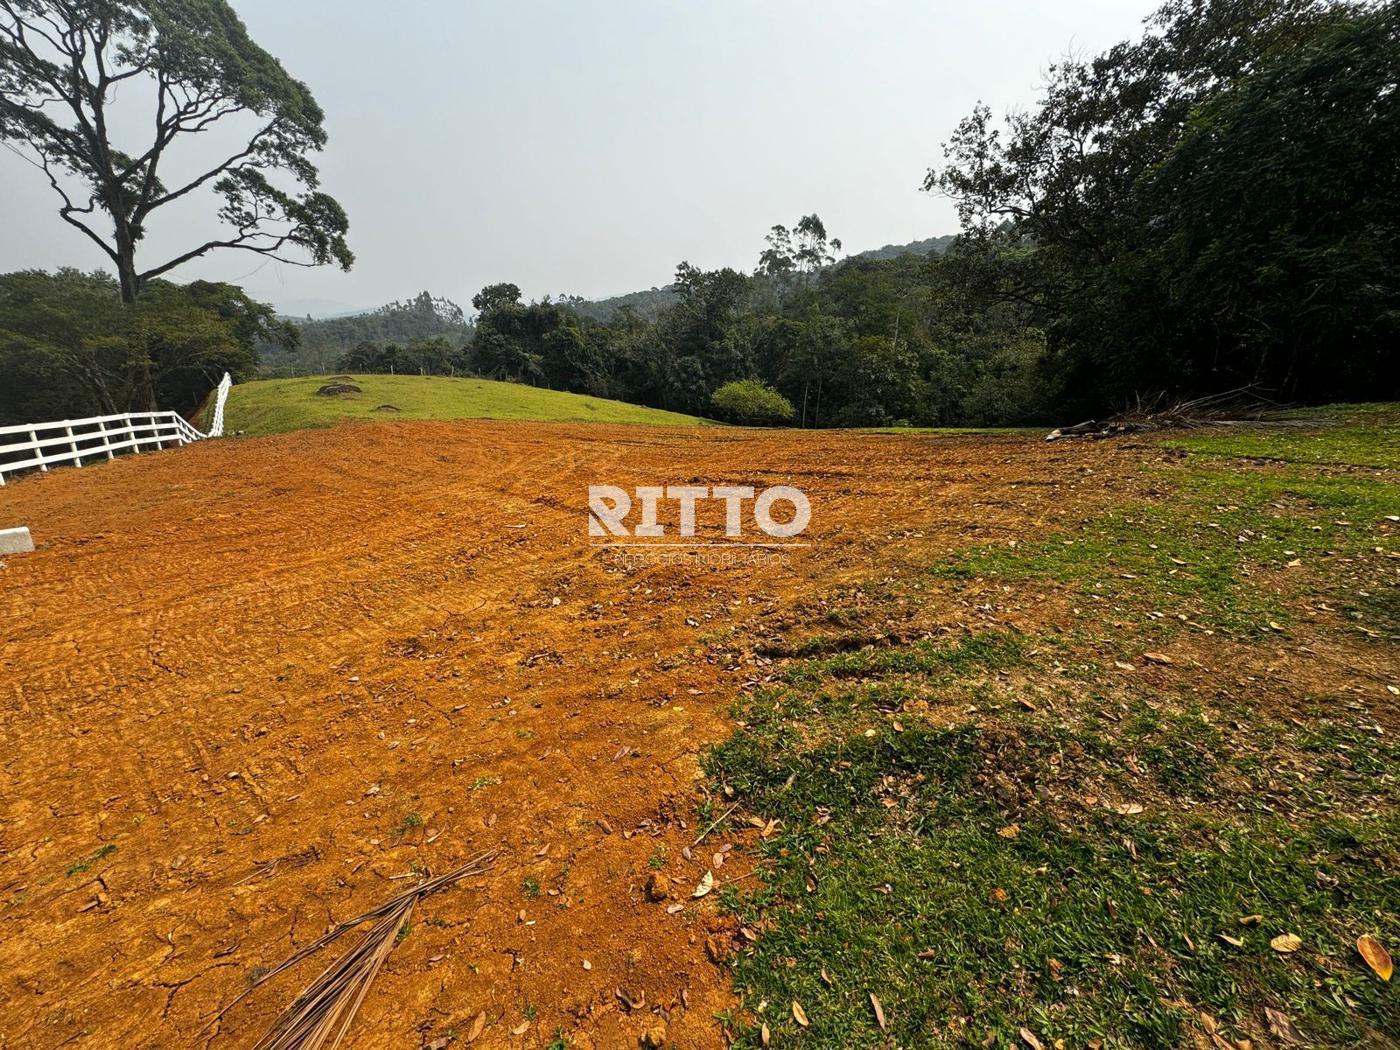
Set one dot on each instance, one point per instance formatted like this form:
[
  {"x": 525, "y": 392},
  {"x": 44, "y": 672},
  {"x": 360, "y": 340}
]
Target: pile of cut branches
[{"x": 1231, "y": 408}]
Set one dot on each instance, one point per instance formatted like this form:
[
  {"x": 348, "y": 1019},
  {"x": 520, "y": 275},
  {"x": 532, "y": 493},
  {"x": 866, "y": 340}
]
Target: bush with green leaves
[{"x": 751, "y": 403}]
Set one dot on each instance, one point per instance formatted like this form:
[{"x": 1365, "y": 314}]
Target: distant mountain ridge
[
  {"x": 928, "y": 246},
  {"x": 652, "y": 301},
  {"x": 324, "y": 340},
  {"x": 425, "y": 315}
]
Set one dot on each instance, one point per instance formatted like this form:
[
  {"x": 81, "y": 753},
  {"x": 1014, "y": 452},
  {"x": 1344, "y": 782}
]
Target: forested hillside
[
  {"x": 323, "y": 341},
  {"x": 648, "y": 304}
]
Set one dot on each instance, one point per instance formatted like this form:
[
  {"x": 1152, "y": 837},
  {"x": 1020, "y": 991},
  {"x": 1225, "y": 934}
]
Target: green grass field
[{"x": 274, "y": 406}]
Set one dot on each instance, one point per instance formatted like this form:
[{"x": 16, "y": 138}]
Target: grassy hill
[{"x": 273, "y": 406}]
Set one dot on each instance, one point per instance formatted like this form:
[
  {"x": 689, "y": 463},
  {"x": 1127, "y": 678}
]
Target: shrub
[{"x": 751, "y": 403}]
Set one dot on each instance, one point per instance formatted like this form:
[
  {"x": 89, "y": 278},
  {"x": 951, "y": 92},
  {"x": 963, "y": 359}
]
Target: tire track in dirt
[{"x": 229, "y": 654}]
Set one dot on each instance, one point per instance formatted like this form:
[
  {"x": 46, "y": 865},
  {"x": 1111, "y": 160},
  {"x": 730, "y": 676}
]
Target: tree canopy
[
  {"x": 1209, "y": 206},
  {"x": 69, "y": 347},
  {"x": 62, "y": 63}
]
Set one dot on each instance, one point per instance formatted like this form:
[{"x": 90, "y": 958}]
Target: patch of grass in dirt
[
  {"x": 1368, "y": 436},
  {"x": 954, "y": 872},
  {"x": 1202, "y": 553},
  {"x": 927, "y": 658},
  {"x": 80, "y": 866}
]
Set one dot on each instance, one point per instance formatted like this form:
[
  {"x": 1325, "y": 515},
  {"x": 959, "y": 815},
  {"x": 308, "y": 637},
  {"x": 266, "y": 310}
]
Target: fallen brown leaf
[
  {"x": 1377, "y": 958},
  {"x": 879, "y": 1011},
  {"x": 478, "y": 1023},
  {"x": 1285, "y": 943},
  {"x": 1282, "y": 1027},
  {"x": 798, "y": 1014}
]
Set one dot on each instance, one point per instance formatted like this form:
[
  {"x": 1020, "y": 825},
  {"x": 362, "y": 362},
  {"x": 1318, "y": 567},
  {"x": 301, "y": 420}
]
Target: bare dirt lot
[{"x": 251, "y": 688}]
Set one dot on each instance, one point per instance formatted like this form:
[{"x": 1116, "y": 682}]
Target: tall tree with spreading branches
[{"x": 193, "y": 65}]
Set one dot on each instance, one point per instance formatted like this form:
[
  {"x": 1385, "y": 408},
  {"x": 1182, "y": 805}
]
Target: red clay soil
[{"x": 283, "y": 677}]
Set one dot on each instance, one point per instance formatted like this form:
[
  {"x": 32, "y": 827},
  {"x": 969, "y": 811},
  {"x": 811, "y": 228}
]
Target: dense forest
[
  {"x": 70, "y": 348},
  {"x": 1212, "y": 206}
]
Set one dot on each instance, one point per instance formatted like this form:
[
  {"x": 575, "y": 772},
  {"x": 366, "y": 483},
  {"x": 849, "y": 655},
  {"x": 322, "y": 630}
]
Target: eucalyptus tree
[
  {"x": 197, "y": 75},
  {"x": 800, "y": 251}
]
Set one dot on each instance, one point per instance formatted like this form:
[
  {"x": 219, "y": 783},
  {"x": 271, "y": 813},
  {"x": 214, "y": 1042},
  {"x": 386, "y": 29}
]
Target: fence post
[
  {"x": 34, "y": 437},
  {"x": 73, "y": 444},
  {"x": 216, "y": 423},
  {"x": 106, "y": 441}
]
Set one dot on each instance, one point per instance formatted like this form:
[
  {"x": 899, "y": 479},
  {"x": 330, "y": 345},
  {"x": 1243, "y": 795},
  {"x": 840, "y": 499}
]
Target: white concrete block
[{"x": 16, "y": 541}]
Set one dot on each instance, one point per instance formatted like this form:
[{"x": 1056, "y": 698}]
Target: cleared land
[
  {"x": 275, "y": 406},
  {"x": 1044, "y": 737}
]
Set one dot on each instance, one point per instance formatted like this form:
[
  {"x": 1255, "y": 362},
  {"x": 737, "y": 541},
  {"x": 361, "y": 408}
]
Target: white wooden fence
[{"x": 43, "y": 445}]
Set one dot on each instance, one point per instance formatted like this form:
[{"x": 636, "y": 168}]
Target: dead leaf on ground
[
  {"x": 478, "y": 1024},
  {"x": 1158, "y": 658},
  {"x": 764, "y": 1034},
  {"x": 879, "y": 1011},
  {"x": 1377, "y": 958},
  {"x": 707, "y": 883},
  {"x": 1286, "y": 943},
  {"x": 1028, "y": 1037},
  {"x": 1282, "y": 1027},
  {"x": 798, "y": 1014}
]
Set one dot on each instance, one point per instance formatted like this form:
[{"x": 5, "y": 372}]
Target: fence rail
[{"x": 39, "y": 446}]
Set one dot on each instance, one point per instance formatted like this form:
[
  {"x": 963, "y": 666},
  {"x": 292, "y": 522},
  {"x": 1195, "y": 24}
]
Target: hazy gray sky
[{"x": 589, "y": 147}]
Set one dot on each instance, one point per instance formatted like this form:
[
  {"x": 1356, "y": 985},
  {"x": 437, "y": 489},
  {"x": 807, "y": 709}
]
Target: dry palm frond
[
  {"x": 324, "y": 1010},
  {"x": 326, "y": 1007}
]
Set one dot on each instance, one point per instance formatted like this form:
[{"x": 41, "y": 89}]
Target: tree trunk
[
  {"x": 143, "y": 394},
  {"x": 127, "y": 273}
]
